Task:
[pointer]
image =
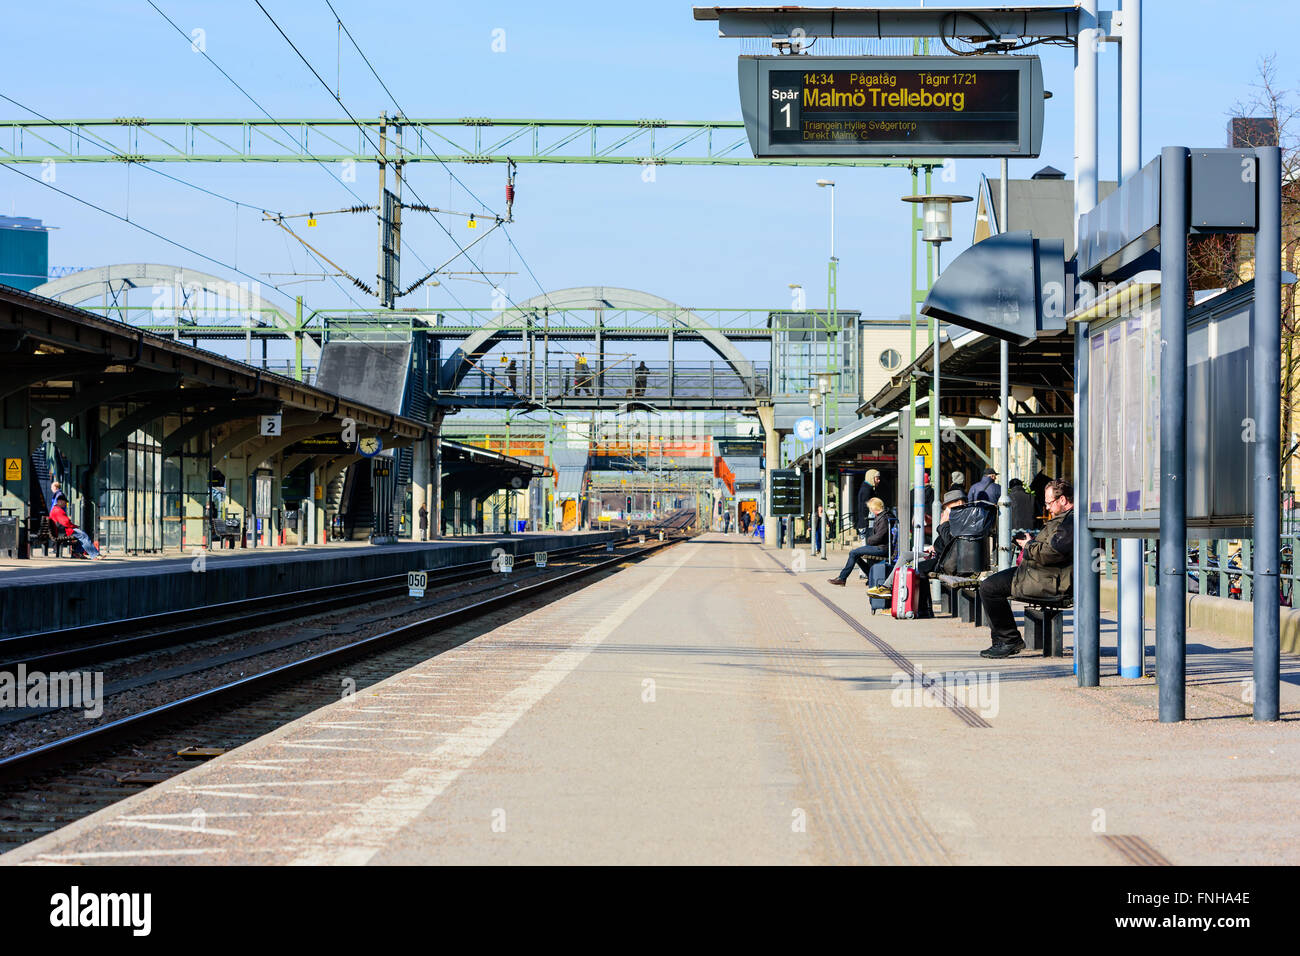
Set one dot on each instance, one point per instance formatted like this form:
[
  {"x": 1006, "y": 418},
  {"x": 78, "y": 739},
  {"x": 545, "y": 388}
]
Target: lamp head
[{"x": 936, "y": 212}]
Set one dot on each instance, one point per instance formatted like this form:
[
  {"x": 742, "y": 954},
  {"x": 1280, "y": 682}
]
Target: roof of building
[
  {"x": 69, "y": 344},
  {"x": 1044, "y": 205}
]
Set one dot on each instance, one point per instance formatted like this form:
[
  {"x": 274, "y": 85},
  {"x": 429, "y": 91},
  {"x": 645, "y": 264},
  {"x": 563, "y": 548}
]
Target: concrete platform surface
[{"x": 710, "y": 706}]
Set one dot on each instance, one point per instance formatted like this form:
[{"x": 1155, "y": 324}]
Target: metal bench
[
  {"x": 1044, "y": 626},
  {"x": 223, "y": 530},
  {"x": 48, "y": 534},
  {"x": 963, "y": 598}
]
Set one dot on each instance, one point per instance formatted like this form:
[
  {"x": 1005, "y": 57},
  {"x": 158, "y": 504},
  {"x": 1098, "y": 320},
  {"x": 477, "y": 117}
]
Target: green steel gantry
[{"x": 471, "y": 139}]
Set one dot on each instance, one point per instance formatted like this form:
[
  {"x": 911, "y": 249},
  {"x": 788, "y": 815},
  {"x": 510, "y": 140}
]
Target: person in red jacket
[{"x": 82, "y": 545}]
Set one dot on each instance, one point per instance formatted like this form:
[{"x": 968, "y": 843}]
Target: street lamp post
[
  {"x": 936, "y": 213},
  {"x": 832, "y": 316},
  {"x": 824, "y": 388},
  {"x": 814, "y": 523}
]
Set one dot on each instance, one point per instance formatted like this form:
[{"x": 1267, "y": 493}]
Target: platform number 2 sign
[{"x": 270, "y": 426}]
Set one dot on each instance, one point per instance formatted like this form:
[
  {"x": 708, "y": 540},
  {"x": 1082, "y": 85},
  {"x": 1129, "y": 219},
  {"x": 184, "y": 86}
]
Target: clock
[
  {"x": 805, "y": 429},
  {"x": 370, "y": 446}
]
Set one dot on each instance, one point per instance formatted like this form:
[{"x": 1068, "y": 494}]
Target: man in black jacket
[
  {"x": 987, "y": 488},
  {"x": 877, "y": 543},
  {"x": 1044, "y": 573}
]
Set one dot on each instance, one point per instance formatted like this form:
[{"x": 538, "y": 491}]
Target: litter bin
[
  {"x": 9, "y": 534},
  {"x": 521, "y": 524}
]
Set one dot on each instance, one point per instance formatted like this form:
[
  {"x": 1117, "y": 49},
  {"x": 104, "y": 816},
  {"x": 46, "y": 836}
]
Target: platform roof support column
[
  {"x": 1171, "y": 593},
  {"x": 1267, "y": 349},
  {"x": 419, "y": 484},
  {"x": 771, "y": 459},
  {"x": 435, "y": 439},
  {"x": 904, "y": 480},
  {"x": 1131, "y": 582},
  {"x": 1004, "y": 395},
  {"x": 277, "y": 503},
  {"x": 1087, "y": 586}
]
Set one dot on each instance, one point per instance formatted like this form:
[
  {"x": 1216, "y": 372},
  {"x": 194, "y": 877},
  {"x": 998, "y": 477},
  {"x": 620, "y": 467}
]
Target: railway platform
[
  {"x": 42, "y": 594},
  {"x": 711, "y": 704}
]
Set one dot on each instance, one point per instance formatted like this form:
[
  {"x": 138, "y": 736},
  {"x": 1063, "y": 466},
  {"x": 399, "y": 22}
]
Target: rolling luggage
[
  {"x": 904, "y": 603},
  {"x": 876, "y": 578}
]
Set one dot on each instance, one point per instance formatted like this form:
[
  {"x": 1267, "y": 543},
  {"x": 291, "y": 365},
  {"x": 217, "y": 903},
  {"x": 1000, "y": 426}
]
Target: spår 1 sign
[{"x": 922, "y": 106}]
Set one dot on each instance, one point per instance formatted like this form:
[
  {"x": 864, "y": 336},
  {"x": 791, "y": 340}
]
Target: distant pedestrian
[
  {"x": 987, "y": 488},
  {"x": 1022, "y": 505},
  {"x": 581, "y": 375},
  {"x": 424, "y": 523},
  {"x": 640, "y": 376},
  {"x": 512, "y": 377}
]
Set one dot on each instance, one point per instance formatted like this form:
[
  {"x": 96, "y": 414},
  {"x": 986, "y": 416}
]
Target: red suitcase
[{"x": 905, "y": 601}]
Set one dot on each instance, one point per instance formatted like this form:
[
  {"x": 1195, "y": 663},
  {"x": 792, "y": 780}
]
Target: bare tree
[{"x": 1269, "y": 99}]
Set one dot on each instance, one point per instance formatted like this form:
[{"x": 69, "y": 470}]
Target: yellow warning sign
[
  {"x": 13, "y": 469},
  {"x": 922, "y": 448}
]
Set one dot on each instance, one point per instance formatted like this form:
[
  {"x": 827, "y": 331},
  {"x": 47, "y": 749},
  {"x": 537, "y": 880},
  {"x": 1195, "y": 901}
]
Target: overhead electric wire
[
  {"x": 414, "y": 191},
  {"x": 184, "y": 182},
  {"x": 143, "y": 228},
  {"x": 450, "y": 173},
  {"x": 366, "y": 134},
  {"x": 118, "y": 153},
  {"x": 988, "y": 30},
  {"x": 302, "y": 145}
]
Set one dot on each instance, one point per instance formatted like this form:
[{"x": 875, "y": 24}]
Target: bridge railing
[{"x": 657, "y": 383}]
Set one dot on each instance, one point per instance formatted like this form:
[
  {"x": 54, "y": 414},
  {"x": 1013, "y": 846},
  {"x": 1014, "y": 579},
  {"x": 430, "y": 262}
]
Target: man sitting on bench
[
  {"x": 1045, "y": 572},
  {"x": 82, "y": 546}
]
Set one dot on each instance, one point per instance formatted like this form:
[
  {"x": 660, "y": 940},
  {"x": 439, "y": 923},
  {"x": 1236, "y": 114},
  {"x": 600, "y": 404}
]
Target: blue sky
[{"x": 709, "y": 236}]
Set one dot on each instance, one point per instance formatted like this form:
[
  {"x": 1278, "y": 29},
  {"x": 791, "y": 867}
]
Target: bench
[
  {"x": 963, "y": 598},
  {"x": 48, "y": 534},
  {"x": 1044, "y": 628},
  {"x": 223, "y": 530}
]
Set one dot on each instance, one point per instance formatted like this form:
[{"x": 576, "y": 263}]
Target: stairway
[{"x": 356, "y": 506}]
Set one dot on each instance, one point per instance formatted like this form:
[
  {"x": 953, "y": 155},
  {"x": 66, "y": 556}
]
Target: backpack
[{"x": 969, "y": 529}]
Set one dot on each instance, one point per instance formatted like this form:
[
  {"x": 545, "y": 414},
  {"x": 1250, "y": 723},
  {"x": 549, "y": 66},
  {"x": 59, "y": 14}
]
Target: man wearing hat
[{"x": 987, "y": 488}]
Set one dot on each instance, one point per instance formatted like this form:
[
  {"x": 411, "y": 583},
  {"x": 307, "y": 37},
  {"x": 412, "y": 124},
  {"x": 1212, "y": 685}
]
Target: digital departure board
[
  {"x": 919, "y": 106},
  {"x": 786, "y": 492}
]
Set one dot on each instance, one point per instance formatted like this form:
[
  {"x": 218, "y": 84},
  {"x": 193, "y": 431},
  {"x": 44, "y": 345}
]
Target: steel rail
[{"x": 21, "y": 765}]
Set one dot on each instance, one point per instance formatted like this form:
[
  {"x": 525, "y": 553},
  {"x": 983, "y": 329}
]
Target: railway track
[
  {"x": 89, "y": 644},
  {"x": 47, "y": 786}
]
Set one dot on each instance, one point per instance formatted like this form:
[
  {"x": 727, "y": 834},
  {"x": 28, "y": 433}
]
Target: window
[{"x": 890, "y": 359}]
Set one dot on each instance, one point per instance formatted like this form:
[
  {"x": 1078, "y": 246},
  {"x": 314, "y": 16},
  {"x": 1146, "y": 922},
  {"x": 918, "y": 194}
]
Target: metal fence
[
  {"x": 1223, "y": 567},
  {"x": 618, "y": 381}
]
